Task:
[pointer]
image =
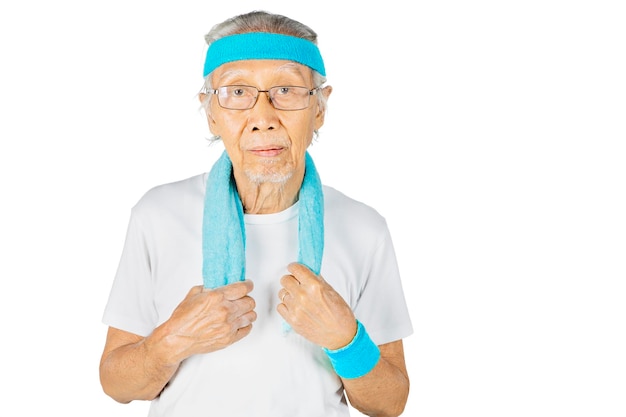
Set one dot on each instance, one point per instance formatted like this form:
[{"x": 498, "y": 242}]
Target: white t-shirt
[{"x": 271, "y": 372}]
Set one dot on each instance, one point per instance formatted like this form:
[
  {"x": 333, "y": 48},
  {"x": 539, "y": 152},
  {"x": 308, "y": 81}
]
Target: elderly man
[{"x": 253, "y": 289}]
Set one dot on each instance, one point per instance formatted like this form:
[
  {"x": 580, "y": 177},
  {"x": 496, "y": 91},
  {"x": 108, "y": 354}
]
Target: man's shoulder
[
  {"x": 178, "y": 192},
  {"x": 338, "y": 204}
]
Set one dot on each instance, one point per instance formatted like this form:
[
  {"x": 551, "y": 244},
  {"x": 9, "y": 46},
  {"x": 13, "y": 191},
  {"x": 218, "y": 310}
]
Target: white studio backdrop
[{"x": 490, "y": 134}]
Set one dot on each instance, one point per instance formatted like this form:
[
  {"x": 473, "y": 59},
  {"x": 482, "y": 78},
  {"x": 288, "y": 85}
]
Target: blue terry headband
[{"x": 263, "y": 45}]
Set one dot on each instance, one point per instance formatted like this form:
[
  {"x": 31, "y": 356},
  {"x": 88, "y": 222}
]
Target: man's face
[{"x": 265, "y": 144}]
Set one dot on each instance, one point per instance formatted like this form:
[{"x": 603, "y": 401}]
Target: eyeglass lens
[{"x": 241, "y": 97}]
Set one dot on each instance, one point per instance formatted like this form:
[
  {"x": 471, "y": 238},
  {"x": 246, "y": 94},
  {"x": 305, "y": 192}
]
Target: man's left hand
[{"x": 314, "y": 309}]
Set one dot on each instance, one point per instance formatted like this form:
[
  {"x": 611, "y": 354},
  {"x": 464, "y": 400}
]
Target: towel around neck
[{"x": 224, "y": 232}]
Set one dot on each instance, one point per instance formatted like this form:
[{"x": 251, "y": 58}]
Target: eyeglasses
[{"x": 243, "y": 97}]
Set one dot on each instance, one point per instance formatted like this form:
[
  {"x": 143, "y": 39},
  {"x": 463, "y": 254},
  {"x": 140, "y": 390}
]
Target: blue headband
[{"x": 262, "y": 45}]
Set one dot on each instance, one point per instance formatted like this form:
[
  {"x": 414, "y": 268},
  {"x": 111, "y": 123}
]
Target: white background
[{"x": 490, "y": 134}]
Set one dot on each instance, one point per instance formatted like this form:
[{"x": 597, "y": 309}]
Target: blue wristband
[{"x": 356, "y": 358}]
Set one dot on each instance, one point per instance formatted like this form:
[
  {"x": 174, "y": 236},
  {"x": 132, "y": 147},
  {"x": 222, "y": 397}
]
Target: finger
[
  {"x": 234, "y": 310},
  {"x": 284, "y": 312},
  {"x": 289, "y": 282},
  {"x": 236, "y": 290},
  {"x": 242, "y": 332},
  {"x": 243, "y": 320},
  {"x": 302, "y": 273},
  {"x": 246, "y": 319},
  {"x": 282, "y": 294},
  {"x": 244, "y": 304}
]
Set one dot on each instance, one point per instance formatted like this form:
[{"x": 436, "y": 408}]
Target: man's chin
[{"x": 268, "y": 176}]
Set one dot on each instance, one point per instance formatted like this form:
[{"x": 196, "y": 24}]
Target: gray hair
[{"x": 261, "y": 21}]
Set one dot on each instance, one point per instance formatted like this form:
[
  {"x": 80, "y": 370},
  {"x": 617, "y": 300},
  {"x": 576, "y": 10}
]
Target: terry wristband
[{"x": 356, "y": 358}]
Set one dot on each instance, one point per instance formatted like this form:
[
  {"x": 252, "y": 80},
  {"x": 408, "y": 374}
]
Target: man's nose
[{"x": 263, "y": 115}]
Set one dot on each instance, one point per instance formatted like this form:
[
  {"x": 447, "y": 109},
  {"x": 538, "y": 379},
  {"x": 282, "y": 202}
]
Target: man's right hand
[
  {"x": 133, "y": 367},
  {"x": 208, "y": 320}
]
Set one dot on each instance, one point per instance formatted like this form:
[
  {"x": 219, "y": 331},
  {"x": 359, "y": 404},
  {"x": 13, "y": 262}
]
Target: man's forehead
[{"x": 249, "y": 66}]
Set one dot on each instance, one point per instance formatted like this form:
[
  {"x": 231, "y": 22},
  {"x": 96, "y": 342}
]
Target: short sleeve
[
  {"x": 382, "y": 306},
  {"x": 130, "y": 306}
]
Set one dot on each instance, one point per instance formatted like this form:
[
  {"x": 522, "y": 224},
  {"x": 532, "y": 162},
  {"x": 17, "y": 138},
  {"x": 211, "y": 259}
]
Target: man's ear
[
  {"x": 204, "y": 102},
  {"x": 327, "y": 90},
  {"x": 319, "y": 118}
]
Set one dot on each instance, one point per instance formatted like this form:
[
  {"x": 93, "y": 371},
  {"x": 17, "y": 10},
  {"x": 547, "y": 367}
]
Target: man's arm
[
  {"x": 318, "y": 313},
  {"x": 382, "y": 392},
  {"x": 138, "y": 368},
  {"x": 130, "y": 369}
]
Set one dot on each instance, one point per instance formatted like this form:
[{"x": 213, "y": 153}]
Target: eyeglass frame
[{"x": 215, "y": 92}]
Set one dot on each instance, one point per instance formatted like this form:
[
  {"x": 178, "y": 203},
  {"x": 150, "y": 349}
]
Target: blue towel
[{"x": 223, "y": 228}]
